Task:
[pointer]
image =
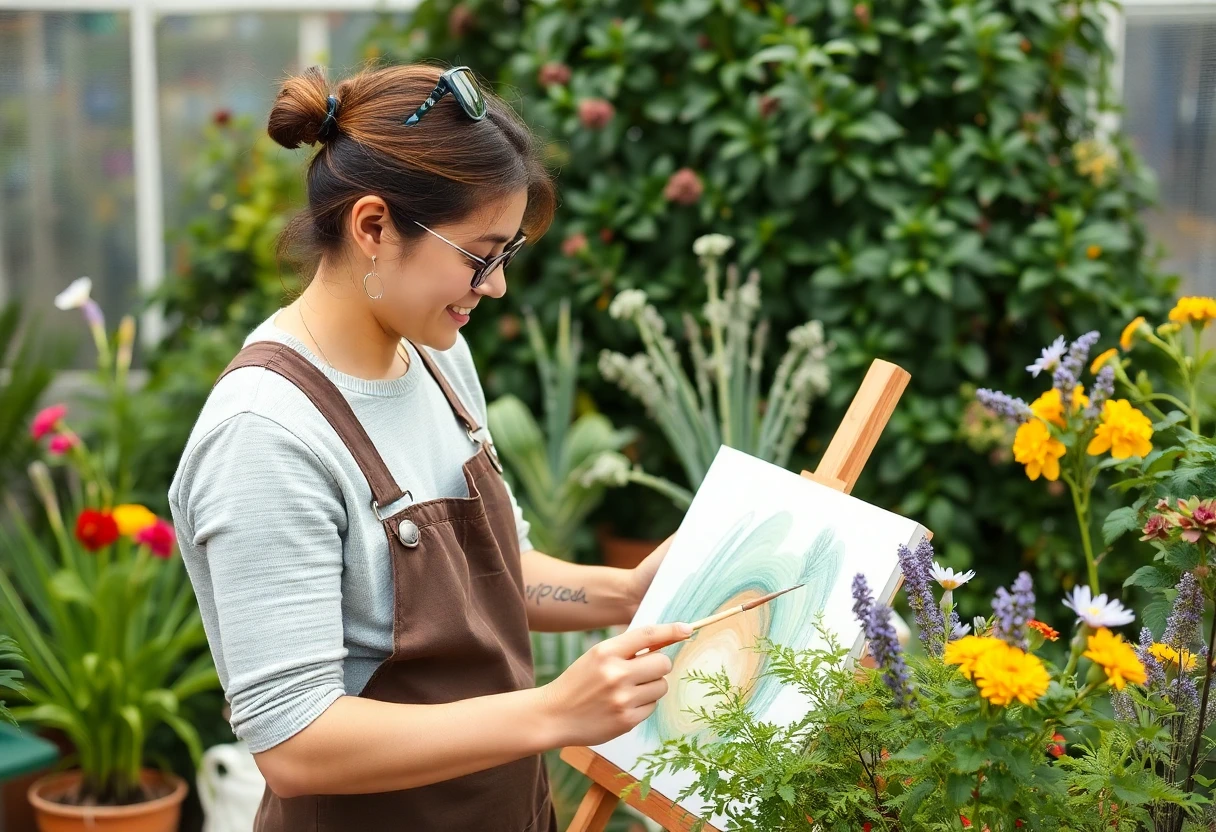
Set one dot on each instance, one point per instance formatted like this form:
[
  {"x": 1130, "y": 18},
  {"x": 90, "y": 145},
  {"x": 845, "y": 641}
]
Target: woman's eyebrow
[{"x": 495, "y": 238}]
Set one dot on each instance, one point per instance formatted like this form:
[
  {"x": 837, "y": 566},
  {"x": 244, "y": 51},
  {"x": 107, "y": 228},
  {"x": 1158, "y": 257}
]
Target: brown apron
[{"x": 460, "y": 628}]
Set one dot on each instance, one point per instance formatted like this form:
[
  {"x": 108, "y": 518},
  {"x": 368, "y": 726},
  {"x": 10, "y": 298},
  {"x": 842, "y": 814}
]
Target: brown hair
[{"x": 436, "y": 172}]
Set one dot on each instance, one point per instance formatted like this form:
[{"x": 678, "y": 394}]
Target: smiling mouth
[{"x": 461, "y": 310}]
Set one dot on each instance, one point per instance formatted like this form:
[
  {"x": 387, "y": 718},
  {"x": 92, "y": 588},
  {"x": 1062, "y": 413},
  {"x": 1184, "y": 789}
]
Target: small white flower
[
  {"x": 608, "y": 468},
  {"x": 960, "y": 630},
  {"x": 627, "y": 304},
  {"x": 806, "y": 336},
  {"x": 749, "y": 296},
  {"x": 1050, "y": 359},
  {"x": 948, "y": 578},
  {"x": 1098, "y": 612},
  {"x": 76, "y": 295},
  {"x": 712, "y": 245}
]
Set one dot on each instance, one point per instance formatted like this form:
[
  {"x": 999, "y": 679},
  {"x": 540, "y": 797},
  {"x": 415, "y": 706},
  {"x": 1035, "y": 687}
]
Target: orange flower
[
  {"x": 1050, "y": 407},
  {"x": 1101, "y": 360},
  {"x": 1047, "y": 631},
  {"x": 1124, "y": 431},
  {"x": 1038, "y": 450},
  {"x": 1129, "y": 333}
]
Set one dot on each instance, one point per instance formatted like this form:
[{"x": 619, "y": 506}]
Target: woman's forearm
[
  {"x": 363, "y": 745},
  {"x": 563, "y": 596}
]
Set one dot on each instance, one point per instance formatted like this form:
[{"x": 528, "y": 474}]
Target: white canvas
[{"x": 754, "y": 528}]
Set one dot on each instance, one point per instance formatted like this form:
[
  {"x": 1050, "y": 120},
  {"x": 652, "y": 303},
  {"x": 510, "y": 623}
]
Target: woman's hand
[
  {"x": 607, "y": 691},
  {"x": 642, "y": 575}
]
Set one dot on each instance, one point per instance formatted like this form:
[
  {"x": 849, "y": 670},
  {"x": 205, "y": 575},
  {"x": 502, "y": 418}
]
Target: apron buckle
[
  {"x": 376, "y": 506},
  {"x": 490, "y": 449}
]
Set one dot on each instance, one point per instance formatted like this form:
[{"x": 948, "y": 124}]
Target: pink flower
[
  {"x": 553, "y": 74},
  {"x": 47, "y": 420},
  {"x": 1157, "y": 528},
  {"x": 574, "y": 244},
  {"x": 595, "y": 113},
  {"x": 61, "y": 443},
  {"x": 158, "y": 537},
  {"x": 684, "y": 187}
]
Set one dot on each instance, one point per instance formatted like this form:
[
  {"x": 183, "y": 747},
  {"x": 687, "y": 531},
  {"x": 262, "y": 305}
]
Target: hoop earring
[{"x": 372, "y": 273}]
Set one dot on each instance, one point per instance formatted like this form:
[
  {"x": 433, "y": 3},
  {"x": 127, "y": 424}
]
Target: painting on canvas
[{"x": 754, "y": 528}]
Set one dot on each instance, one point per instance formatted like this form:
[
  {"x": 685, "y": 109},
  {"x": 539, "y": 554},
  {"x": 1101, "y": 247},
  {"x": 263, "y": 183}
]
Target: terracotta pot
[
  {"x": 160, "y": 815},
  {"x": 623, "y": 552}
]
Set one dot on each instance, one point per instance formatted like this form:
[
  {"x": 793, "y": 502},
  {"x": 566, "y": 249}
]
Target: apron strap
[
  {"x": 454, "y": 402},
  {"x": 328, "y": 399}
]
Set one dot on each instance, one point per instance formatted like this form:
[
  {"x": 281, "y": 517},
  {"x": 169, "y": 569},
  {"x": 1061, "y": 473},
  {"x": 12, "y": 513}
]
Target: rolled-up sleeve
[{"x": 261, "y": 521}]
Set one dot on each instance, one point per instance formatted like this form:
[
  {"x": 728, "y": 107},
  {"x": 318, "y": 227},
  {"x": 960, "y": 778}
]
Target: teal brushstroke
[{"x": 751, "y": 558}]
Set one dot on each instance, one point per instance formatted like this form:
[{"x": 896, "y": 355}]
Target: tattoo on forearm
[{"x": 539, "y": 592}]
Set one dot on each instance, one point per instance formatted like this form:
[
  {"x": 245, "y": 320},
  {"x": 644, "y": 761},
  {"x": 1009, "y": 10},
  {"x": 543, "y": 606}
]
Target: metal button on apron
[{"x": 408, "y": 534}]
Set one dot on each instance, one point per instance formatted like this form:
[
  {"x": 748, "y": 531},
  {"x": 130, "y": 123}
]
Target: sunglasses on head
[
  {"x": 458, "y": 81},
  {"x": 484, "y": 267}
]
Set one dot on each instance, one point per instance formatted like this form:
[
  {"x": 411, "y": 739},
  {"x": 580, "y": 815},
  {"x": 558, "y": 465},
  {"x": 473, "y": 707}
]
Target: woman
[{"x": 364, "y": 573}]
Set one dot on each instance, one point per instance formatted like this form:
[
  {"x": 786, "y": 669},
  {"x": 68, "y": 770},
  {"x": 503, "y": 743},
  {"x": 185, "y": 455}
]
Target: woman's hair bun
[{"x": 300, "y": 109}]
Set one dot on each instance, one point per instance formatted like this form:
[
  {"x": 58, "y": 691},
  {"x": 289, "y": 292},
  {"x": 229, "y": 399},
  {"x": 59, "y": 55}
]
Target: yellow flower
[
  {"x": 1101, "y": 360},
  {"x": 1196, "y": 310},
  {"x": 1050, "y": 408},
  {"x": 1124, "y": 431},
  {"x": 1129, "y": 333},
  {"x": 1038, "y": 450},
  {"x": 133, "y": 518},
  {"x": 1116, "y": 657},
  {"x": 1168, "y": 655},
  {"x": 966, "y": 651},
  {"x": 1006, "y": 673},
  {"x": 1093, "y": 252}
]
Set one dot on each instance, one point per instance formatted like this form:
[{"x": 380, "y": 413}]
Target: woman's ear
[{"x": 369, "y": 219}]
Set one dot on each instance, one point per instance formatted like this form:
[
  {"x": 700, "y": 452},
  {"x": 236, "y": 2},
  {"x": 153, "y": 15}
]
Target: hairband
[{"x": 329, "y": 127}]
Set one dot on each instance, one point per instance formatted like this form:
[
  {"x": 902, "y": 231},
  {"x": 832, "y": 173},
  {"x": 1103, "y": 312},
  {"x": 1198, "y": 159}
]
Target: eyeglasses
[
  {"x": 484, "y": 267},
  {"x": 458, "y": 81}
]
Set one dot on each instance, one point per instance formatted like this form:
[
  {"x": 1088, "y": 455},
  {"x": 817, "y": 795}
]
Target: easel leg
[{"x": 595, "y": 810}]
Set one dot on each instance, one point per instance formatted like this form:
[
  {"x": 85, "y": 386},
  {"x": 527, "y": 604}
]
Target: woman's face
[{"x": 427, "y": 283}]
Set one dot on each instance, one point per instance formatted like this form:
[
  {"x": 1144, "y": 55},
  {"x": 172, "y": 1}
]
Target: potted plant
[
  {"x": 10, "y": 677},
  {"x": 105, "y": 617},
  {"x": 549, "y": 465},
  {"x": 722, "y": 403}
]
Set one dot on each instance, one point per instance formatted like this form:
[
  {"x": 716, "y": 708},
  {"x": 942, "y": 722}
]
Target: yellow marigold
[
  {"x": 1168, "y": 655},
  {"x": 966, "y": 651},
  {"x": 1101, "y": 360},
  {"x": 1093, "y": 252},
  {"x": 132, "y": 518},
  {"x": 1194, "y": 310},
  {"x": 1116, "y": 657},
  {"x": 1038, "y": 450},
  {"x": 1050, "y": 408},
  {"x": 1129, "y": 333},
  {"x": 1124, "y": 431},
  {"x": 1006, "y": 673}
]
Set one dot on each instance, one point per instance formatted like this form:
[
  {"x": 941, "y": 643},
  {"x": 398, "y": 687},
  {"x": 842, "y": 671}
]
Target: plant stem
[
  {"x": 1203, "y": 709},
  {"x": 682, "y": 497},
  {"x": 715, "y": 332},
  {"x": 1080, "y": 504}
]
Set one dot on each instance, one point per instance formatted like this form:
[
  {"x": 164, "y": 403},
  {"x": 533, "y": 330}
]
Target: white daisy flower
[
  {"x": 1050, "y": 359},
  {"x": 1100, "y": 611},
  {"x": 76, "y": 295},
  {"x": 948, "y": 578},
  {"x": 627, "y": 304}
]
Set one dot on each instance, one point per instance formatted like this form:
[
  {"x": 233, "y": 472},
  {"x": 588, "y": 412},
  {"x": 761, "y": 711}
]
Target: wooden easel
[{"x": 840, "y": 467}]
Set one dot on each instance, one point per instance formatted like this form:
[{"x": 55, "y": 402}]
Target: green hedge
[{"x": 927, "y": 178}]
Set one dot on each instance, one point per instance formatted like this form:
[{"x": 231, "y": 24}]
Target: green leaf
[
  {"x": 787, "y": 794},
  {"x": 1119, "y": 522},
  {"x": 969, "y": 758},
  {"x": 1149, "y": 577},
  {"x": 914, "y": 750},
  {"x": 1154, "y": 615},
  {"x": 958, "y": 788},
  {"x": 1034, "y": 279},
  {"x": 974, "y": 360}
]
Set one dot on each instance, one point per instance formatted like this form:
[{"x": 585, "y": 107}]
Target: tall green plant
[
  {"x": 102, "y": 611},
  {"x": 25, "y": 374},
  {"x": 10, "y": 677},
  {"x": 551, "y": 463},
  {"x": 929, "y": 179}
]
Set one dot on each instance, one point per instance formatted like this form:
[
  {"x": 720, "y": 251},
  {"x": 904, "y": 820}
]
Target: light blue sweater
[{"x": 273, "y": 517}]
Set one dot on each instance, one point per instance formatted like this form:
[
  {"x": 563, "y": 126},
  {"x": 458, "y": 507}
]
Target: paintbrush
[{"x": 719, "y": 616}]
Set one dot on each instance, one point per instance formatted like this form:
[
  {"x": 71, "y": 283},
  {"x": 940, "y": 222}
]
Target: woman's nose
[{"x": 495, "y": 285}]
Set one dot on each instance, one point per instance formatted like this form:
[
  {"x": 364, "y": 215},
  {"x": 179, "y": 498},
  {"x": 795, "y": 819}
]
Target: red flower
[
  {"x": 684, "y": 187},
  {"x": 61, "y": 443},
  {"x": 768, "y": 105},
  {"x": 96, "y": 529},
  {"x": 1056, "y": 749},
  {"x": 963, "y": 818},
  {"x": 1157, "y": 528},
  {"x": 47, "y": 420},
  {"x": 595, "y": 113},
  {"x": 221, "y": 117},
  {"x": 865, "y": 827},
  {"x": 461, "y": 21},
  {"x": 552, "y": 74},
  {"x": 575, "y": 244},
  {"x": 158, "y": 537},
  {"x": 606, "y": 235}
]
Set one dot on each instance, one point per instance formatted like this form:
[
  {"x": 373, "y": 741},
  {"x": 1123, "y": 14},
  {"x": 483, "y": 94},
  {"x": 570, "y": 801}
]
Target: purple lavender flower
[
  {"x": 1065, "y": 377},
  {"x": 916, "y": 566},
  {"x": 1153, "y": 670},
  {"x": 1103, "y": 389},
  {"x": 1003, "y": 405},
  {"x": 1182, "y": 627},
  {"x": 1064, "y": 380},
  {"x": 884, "y": 644},
  {"x": 1011, "y": 611},
  {"x": 957, "y": 628}
]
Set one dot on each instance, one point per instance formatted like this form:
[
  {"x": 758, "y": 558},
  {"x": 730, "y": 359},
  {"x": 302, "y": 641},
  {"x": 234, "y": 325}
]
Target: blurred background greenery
[{"x": 945, "y": 185}]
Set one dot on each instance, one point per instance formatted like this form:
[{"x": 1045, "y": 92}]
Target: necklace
[{"x": 404, "y": 356}]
